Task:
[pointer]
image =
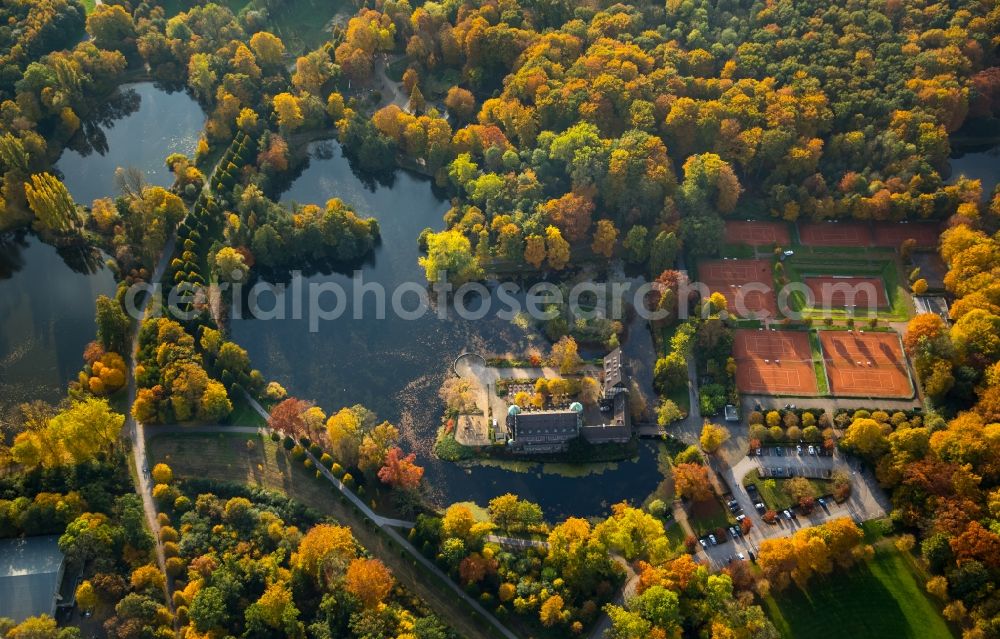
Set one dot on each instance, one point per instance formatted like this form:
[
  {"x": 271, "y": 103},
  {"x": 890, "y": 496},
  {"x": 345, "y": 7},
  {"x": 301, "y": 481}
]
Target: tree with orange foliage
[
  {"x": 401, "y": 472},
  {"x": 473, "y": 568},
  {"x": 691, "y": 481},
  {"x": 460, "y": 103},
  {"x": 571, "y": 214},
  {"x": 369, "y": 580},
  {"x": 978, "y": 543},
  {"x": 286, "y": 417},
  {"x": 926, "y": 327}
]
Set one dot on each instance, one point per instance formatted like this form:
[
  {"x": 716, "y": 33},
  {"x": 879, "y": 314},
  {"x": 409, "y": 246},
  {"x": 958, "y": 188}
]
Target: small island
[{"x": 557, "y": 409}]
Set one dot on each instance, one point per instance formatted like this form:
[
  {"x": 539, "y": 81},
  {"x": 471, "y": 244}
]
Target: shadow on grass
[{"x": 874, "y": 600}]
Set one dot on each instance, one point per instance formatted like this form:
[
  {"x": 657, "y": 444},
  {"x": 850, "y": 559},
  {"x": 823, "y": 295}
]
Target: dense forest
[{"x": 566, "y": 135}]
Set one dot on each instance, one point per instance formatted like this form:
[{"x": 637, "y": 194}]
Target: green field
[
  {"x": 226, "y": 457},
  {"x": 880, "y": 599},
  {"x": 774, "y": 493},
  {"x": 303, "y": 24}
]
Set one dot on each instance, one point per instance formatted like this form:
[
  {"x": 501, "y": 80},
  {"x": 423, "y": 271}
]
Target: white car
[
  {"x": 740, "y": 556},
  {"x": 798, "y": 449},
  {"x": 812, "y": 450}
]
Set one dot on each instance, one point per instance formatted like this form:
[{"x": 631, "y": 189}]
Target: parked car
[
  {"x": 740, "y": 556},
  {"x": 740, "y": 517},
  {"x": 715, "y": 542},
  {"x": 734, "y": 532},
  {"x": 761, "y": 508},
  {"x": 704, "y": 544},
  {"x": 798, "y": 449},
  {"x": 758, "y": 452},
  {"x": 812, "y": 449},
  {"x": 822, "y": 501},
  {"x": 788, "y": 514}
]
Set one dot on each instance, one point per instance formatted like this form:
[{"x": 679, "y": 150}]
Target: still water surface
[{"x": 395, "y": 366}]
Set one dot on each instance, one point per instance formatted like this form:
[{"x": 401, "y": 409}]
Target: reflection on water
[
  {"x": 978, "y": 165},
  {"x": 47, "y": 317},
  {"x": 140, "y": 127},
  {"x": 47, "y": 297},
  {"x": 395, "y": 367}
]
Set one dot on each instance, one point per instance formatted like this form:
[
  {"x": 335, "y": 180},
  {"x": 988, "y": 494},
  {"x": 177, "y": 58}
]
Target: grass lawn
[
  {"x": 822, "y": 384},
  {"x": 707, "y": 516},
  {"x": 243, "y": 414},
  {"x": 302, "y": 24},
  {"x": 226, "y": 457},
  {"x": 774, "y": 493},
  {"x": 875, "y": 600},
  {"x": 676, "y": 535}
]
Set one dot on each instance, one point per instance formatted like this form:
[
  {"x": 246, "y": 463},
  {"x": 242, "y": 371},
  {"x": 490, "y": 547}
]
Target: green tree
[
  {"x": 449, "y": 255},
  {"x": 53, "y": 206},
  {"x": 112, "y": 325}
]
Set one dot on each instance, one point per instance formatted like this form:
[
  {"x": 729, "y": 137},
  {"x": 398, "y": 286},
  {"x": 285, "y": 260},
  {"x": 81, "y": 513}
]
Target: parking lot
[{"x": 866, "y": 501}]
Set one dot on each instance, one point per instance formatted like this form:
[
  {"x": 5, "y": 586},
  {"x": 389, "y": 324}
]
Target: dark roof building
[
  {"x": 618, "y": 431},
  {"x": 31, "y": 569},
  {"x": 614, "y": 374},
  {"x": 544, "y": 431}
]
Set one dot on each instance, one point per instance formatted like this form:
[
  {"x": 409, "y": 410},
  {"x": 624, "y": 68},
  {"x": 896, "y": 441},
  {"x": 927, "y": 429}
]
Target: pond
[
  {"x": 395, "y": 366},
  {"x": 46, "y": 316},
  {"x": 139, "y": 127},
  {"x": 977, "y": 164},
  {"x": 47, "y": 297}
]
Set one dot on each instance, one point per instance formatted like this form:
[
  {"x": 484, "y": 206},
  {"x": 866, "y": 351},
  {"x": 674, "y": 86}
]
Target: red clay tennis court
[
  {"x": 865, "y": 364},
  {"x": 731, "y": 277},
  {"x": 837, "y": 292},
  {"x": 893, "y": 234},
  {"x": 771, "y": 362},
  {"x": 835, "y": 234},
  {"x": 757, "y": 233}
]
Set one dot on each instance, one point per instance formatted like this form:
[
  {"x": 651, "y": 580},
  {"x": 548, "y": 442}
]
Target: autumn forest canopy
[{"x": 569, "y": 139}]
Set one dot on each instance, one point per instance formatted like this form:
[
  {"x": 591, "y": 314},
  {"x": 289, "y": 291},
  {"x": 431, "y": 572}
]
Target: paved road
[{"x": 391, "y": 91}]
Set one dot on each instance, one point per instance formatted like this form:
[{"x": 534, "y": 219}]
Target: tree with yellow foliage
[
  {"x": 605, "y": 236},
  {"x": 289, "y": 113},
  {"x": 556, "y": 248},
  {"x": 534, "y": 250},
  {"x": 325, "y": 552},
  {"x": 551, "y": 612},
  {"x": 713, "y": 437}
]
